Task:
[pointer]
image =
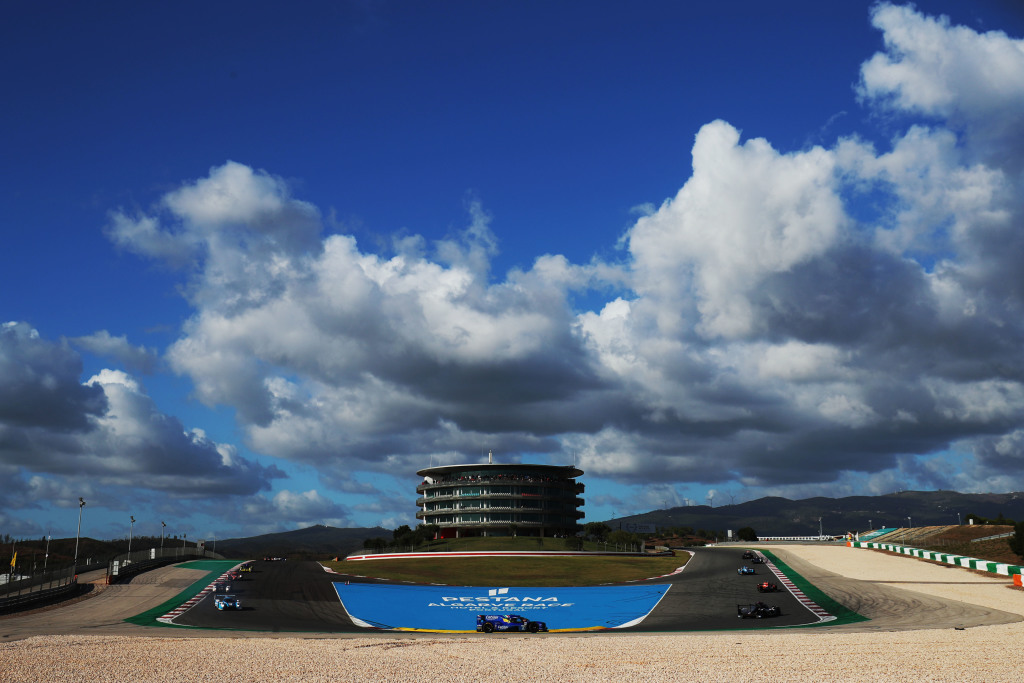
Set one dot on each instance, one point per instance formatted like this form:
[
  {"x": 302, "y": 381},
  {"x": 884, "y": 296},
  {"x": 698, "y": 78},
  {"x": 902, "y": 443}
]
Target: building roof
[{"x": 567, "y": 471}]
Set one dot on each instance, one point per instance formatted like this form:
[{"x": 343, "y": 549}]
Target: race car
[
  {"x": 234, "y": 576},
  {"x": 766, "y": 587},
  {"x": 745, "y": 570},
  {"x": 221, "y": 587},
  {"x": 757, "y": 610},
  {"x": 757, "y": 559},
  {"x": 245, "y": 567},
  {"x": 748, "y": 555},
  {"x": 488, "y": 623},
  {"x": 223, "y": 602}
]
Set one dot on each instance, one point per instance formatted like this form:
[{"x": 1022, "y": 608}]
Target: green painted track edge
[
  {"x": 149, "y": 617},
  {"x": 842, "y": 614}
]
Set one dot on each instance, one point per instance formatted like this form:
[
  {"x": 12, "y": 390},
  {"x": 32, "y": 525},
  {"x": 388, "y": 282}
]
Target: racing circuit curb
[
  {"x": 193, "y": 601},
  {"x": 814, "y": 608},
  {"x": 947, "y": 558}
]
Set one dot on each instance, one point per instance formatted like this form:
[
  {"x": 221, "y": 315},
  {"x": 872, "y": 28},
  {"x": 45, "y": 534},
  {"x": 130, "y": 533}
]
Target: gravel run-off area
[{"x": 903, "y": 647}]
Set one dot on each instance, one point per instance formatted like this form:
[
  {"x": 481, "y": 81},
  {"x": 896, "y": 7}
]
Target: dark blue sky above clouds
[{"x": 261, "y": 263}]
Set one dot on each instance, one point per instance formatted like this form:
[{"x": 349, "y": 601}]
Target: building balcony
[
  {"x": 565, "y": 484},
  {"x": 548, "y": 496}
]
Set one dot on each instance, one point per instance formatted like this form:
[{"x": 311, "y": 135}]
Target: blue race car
[
  {"x": 745, "y": 570},
  {"x": 489, "y": 623},
  {"x": 223, "y": 602}
]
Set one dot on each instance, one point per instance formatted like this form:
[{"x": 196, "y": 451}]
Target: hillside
[
  {"x": 784, "y": 517},
  {"x": 314, "y": 541}
]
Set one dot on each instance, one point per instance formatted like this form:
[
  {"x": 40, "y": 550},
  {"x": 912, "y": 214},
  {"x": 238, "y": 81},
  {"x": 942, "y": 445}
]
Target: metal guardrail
[
  {"x": 992, "y": 538},
  {"x": 127, "y": 565},
  {"x": 42, "y": 586},
  {"x": 36, "y": 586},
  {"x": 13, "y": 602}
]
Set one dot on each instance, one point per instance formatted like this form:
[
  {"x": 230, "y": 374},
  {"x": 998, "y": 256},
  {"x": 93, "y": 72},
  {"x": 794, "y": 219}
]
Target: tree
[
  {"x": 597, "y": 530},
  {"x": 1017, "y": 540},
  {"x": 377, "y": 544},
  {"x": 624, "y": 538},
  {"x": 746, "y": 534},
  {"x": 403, "y": 530}
]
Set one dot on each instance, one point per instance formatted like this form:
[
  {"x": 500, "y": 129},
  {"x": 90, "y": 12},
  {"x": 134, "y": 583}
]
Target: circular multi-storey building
[{"x": 500, "y": 500}]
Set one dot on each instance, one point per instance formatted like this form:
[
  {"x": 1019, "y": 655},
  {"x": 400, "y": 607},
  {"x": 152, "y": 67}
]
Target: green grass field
[
  {"x": 515, "y": 571},
  {"x": 526, "y": 543}
]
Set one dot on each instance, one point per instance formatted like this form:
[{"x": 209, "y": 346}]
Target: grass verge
[
  {"x": 515, "y": 571},
  {"x": 214, "y": 569}
]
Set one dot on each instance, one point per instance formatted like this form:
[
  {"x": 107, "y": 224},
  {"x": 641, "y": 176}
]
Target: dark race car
[
  {"x": 757, "y": 559},
  {"x": 745, "y": 570},
  {"x": 766, "y": 587},
  {"x": 748, "y": 555},
  {"x": 488, "y": 623},
  {"x": 757, "y": 610}
]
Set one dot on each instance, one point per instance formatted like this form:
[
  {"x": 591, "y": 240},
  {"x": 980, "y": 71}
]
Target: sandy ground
[{"x": 926, "y": 626}]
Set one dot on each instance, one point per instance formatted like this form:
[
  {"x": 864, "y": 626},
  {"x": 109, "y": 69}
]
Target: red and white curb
[
  {"x": 192, "y": 602},
  {"x": 812, "y": 606}
]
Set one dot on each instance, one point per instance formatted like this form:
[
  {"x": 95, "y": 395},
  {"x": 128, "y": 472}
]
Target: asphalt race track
[
  {"x": 278, "y": 596},
  {"x": 291, "y": 596}
]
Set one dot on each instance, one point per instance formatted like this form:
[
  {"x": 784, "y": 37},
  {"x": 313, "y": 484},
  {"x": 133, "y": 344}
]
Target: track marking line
[{"x": 813, "y": 607}]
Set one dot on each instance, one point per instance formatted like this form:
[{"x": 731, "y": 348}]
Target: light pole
[
  {"x": 163, "y": 525},
  {"x": 46, "y": 557},
  {"x": 821, "y": 536},
  {"x": 81, "y": 504},
  {"x": 958, "y": 522},
  {"x": 871, "y": 527},
  {"x": 131, "y": 527}
]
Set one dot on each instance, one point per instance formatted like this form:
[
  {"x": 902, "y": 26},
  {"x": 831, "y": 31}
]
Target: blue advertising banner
[{"x": 454, "y": 609}]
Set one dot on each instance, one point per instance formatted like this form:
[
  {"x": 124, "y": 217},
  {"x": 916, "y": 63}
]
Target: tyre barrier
[{"x": 947, "y": 558}]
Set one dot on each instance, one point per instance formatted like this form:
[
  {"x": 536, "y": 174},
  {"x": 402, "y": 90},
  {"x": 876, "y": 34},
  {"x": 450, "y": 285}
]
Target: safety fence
[
  {"x": 123, "y": 567},
  {"x": 1001, "y": 568},
  {"x": 796, "y": 538},
  {"x": 21, "y": 590}
]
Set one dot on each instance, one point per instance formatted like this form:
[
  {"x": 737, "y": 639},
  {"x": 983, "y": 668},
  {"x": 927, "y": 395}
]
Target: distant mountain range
[
  {"x": 767, "y": 516},
  {"x": 783, "y": 517},
  {"x": 312, "y": 541}
]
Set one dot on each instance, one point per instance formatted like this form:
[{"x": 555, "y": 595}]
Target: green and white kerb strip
[{"x": 947, "y": 558}]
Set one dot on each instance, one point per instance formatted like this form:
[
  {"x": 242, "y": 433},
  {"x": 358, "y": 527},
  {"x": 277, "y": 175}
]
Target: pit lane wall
[{"x": 1012, "y": 570}]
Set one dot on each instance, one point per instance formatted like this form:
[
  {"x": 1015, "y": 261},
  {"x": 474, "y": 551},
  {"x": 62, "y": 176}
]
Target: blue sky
[{"x": 262, "y": 263}]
